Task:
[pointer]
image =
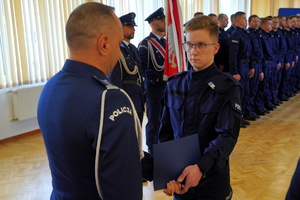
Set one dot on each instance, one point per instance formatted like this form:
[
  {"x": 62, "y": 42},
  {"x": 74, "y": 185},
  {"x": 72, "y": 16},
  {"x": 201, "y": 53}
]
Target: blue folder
[{"x": 170, "y": 159}]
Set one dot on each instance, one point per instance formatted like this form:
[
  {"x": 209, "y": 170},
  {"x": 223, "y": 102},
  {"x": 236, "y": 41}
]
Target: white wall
[{"x": 8, "y": 128}]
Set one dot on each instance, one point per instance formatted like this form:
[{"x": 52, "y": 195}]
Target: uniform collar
[
  {"x": 203, "y": 73},
  {"x": 82, "y": 69}
]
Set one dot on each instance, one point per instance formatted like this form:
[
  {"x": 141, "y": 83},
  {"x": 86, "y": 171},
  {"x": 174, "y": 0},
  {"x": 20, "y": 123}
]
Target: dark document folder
[{"x": 170, "y": 159}]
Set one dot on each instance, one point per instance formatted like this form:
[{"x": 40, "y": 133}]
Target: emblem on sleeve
[
  {"x": 238, "y": 106},
  {"x": 212, "y": 85},
  {"x": 122, "y": 110}
]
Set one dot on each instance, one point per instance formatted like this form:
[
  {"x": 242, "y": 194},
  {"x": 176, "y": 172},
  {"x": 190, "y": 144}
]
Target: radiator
[{"x": 24, "y": 101}]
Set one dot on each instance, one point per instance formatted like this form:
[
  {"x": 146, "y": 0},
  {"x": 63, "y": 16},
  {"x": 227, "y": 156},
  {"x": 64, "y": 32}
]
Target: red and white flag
[{"x": 175, "y": 55}]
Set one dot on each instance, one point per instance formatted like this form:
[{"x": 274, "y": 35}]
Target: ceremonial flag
[{"x": 175, "y": 55}]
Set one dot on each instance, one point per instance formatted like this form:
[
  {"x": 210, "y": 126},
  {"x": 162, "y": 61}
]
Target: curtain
[
  {"x": 32, "y": 40},
  {"x": 270, "y": 7}
]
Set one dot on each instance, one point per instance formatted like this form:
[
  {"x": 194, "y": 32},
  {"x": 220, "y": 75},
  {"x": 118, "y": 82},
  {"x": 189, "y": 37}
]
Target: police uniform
[
  {"x": 239, "y": 57},
  {"x": 264, "y": 95},
  {"x": 127, "y": 72},
  {"x": 256, "y": 62},
  {"x": 290, "y": 58},
  {"x": 206, "y": 103},
  {"x": 230, "y": 30},
  {"x": 69, "y": 117},
  {"x": 282, "y": 54},
  {"x": 152, "y": 56},
  {"x": 221, "y": 58}
]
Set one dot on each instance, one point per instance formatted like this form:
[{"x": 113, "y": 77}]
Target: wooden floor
[{"x": 262, "y": 162}]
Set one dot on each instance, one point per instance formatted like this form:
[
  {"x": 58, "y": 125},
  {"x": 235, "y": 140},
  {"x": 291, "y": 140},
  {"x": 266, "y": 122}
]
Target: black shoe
[
  {"x": 276, "y": 102},
  {"x": 284, "y": 98},
  {"x": 270, "y": 107},
  {"x": 250, "y": 117},
  {"x": 294, "y": 90},
  {"x": 289, "y": 94},
  {"x": 242, "y": 124},
  {"x": 260, "y": 112},
  {"x": 280, "y": 102},
  {"x": 266, "y": 110},
  {"x": 245, "y": 122},
  {"x": 257, "y": 116},
  {"x": 144, "y": 180}
]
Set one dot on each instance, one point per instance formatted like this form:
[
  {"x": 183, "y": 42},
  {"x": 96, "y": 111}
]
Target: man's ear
[
  {"x": 216, "y": 48},
  {"x": 102, "y": 44}
]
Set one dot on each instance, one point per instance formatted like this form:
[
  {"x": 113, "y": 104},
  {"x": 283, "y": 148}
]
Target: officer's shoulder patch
[
  {"x": 235, "y": 41},
  {"x": 106, "y": 83},
  {"x": 179, "y": 74},
  {"x": 222, "y": 82}
]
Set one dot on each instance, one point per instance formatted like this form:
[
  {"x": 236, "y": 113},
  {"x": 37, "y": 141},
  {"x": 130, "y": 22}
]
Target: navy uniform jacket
[
  {"x": 132, "y": 84},
  {"x": 222, "y": 56},
  {"x": 206, "y": 103},
  {"x": 282, "y": 44},
  {"x": 257, "y": 54},
  {"x": 230, "y": 30},
  {"x": 68, "y": 116},
  {"x": 240, "y": 49},
  {"x": 267, "y": 46},
  {"x": 154, "y": 82},
  {"x": 290, "y": 56}
]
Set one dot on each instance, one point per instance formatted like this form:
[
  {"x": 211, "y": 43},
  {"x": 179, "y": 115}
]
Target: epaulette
[
  {"x": 222, "y": 82},
  {"x": 106, "y": 83},
  {"x": 177, "y": 75}
]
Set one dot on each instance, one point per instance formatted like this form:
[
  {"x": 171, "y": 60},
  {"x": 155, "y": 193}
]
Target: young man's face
[
  {"x": 128, "y": 32},
  {"x": 255, "y": 22},
  {"x": 224, "y": 21},
  {"x": 201, "y": 59},
  {"x": 160, "y": 25},
  {"x": 275, "y": 23}
]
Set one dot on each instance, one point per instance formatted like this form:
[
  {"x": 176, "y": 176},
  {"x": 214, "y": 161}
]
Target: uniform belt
[
  {"x": 244, "y": 61},
  {"x": 267, "y": 61},
  {"x": 133, "y": 82},
  {"x": 256, "y": 61}
]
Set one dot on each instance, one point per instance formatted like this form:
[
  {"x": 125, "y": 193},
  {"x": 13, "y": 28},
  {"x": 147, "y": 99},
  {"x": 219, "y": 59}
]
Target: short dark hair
[
  {"x": 221, "y": 15},
  {"x": 265, "y": 20},
  {"x": 86, "y": 22},
  {"x": 252, "y": 16},
  {"x": 212, "y": 15},
  {"x": 206, "y": 23},
  {"x": 239, "y": 14},
  {"x": 198, "y": 13},
  {"x": 281, "y": 16}
]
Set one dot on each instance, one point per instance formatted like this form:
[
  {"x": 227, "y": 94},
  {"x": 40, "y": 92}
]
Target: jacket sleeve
[
  {"x": 233, "y": 54},
  {"x": 119, "y": 167},
  {"x": 227, "y": 127}
]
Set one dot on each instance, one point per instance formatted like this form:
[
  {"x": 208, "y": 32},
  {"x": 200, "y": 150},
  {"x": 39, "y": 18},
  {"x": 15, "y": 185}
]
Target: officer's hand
[
  {"x": 287, "y": 65},
  {"x": 237, "y": 77},
  {"x": 293, "y": 64},
  {"x": 251, "y": 73},
  {"x": 278, "y": 66},
  {"x": 261, "y": 76},
  {"x": 192, "y": 175},
  {"x": 172, "y": 187}
]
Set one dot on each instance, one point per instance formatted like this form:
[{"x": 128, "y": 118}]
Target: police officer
[
  {"x": 232, "y": 27},
  {"x": 88, "y": 124},
  {"x": 285, "y": 53},
  {"x": 203, "y": 101},
  {"x": 295, "y": 36},
  {"x": 239, "y": 57},
  {"x": 264, "y": 96},
  {"x": 221, "y": 58},
  {"x": 127, "y": 72},
  {"x": 152, "y": 51},
  {"x": 279, "y": 47},
  {"x": 256, "y": 60},
  {"x": 290, "y": 59}
]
